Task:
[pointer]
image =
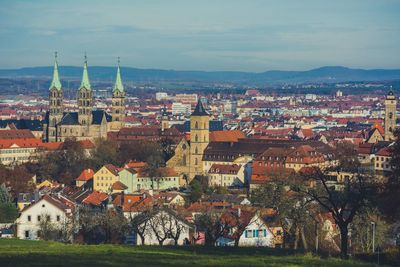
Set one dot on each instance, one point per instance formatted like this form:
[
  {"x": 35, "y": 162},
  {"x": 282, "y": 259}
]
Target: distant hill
[{"x": 323, "y": 74}]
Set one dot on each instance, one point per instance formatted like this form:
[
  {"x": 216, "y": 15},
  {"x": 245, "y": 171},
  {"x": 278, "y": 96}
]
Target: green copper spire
[
  {"x": 55, "y": 83},
  {"x": 118, "y": 86},
  {"x": 85, "y": 77}
]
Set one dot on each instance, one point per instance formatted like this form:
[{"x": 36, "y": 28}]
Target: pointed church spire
[
  {"x": 199, "y": 110},
  {"x": 85, "y": 77},
  {"x": 118, "y": 86},
  {"x": 55, "y": 83}
]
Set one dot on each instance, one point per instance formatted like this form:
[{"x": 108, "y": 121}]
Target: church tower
[
  {"x": 55, "y": 104},
  {"x": 85, "y": 98},
  {"x": 118, "y": 102},
  {"x": 164, "y": 119},
  {"x": 199, "y": 139},
  {"x": 390, "y": 115}
]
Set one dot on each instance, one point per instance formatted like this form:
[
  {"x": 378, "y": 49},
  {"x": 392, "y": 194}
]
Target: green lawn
[{"x": 40, "y": 253}]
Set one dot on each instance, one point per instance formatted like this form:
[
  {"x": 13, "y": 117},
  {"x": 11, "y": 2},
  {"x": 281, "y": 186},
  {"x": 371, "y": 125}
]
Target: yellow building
[
  {"x": 199, "y": 139},
  {"x": 104, "y": 178},
  {"x": 390, "y": 116}
]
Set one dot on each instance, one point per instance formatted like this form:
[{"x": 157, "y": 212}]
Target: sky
[{"x": 233, "y": 35}]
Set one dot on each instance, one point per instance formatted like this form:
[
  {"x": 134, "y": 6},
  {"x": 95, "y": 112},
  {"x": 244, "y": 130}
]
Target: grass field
[{"x": 40, "y": 253}]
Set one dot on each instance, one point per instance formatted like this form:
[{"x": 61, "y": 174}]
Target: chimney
[
  {"x": 239, "y": 211},
  {"x": 122, "y": 198}
]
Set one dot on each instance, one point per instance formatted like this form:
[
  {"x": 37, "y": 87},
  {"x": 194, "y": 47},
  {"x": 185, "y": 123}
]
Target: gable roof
[
  {"x": 226, "y": 136},
  {"x": 85, "y": 175},
  {"x": 95, "y": 198}
]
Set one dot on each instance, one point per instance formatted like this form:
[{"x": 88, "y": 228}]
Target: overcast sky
[{"x": 246, "y": 35}]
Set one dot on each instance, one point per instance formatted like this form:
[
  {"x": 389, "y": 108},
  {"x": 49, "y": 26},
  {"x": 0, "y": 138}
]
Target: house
[
  {"x": 96, "y": 199},
  {"x": 104, "y": 178},
  {"x": 85, "y": 178},
  {"x": 253, "y": 228},
  {"x": 51, "y": 208},
  {"x": 226, "y": 175},
  {"x": 170, "y": 199}
]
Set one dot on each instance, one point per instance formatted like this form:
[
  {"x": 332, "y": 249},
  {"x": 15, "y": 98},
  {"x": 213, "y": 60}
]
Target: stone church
[
  {"x": 188, "y": 158},
  {"x": 88, "y": 122}
]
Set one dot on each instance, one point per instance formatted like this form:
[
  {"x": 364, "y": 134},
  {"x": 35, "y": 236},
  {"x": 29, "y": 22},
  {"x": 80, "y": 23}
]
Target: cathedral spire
[
  {"x": 85, "y": 77},
  {"x": 55, "y": 83},
  {"x": 118, "y": 86}
]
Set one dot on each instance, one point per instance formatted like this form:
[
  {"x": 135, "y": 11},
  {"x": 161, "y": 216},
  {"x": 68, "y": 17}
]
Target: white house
[
  {"x": 50, "y": 208},
  {"x": 256, "y": 234}
]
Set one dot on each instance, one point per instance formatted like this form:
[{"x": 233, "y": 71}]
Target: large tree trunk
[
  {"x": 303, "y": 238},
  {"x": 297, "y": 236},
  {"x": 344, "y": 236},
  {"x": 142, "y": 239}
]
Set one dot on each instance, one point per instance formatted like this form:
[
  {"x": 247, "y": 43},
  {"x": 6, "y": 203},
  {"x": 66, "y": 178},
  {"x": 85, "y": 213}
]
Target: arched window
[
  {"x": 196, "y": 138},
  {"x": 184, "y": 159},
  {"x": 390, "y": 115},
  {"x": 196, "y": 150},
  {"x": 196, "y": 125},
  {"x": 195, "y": 161}
]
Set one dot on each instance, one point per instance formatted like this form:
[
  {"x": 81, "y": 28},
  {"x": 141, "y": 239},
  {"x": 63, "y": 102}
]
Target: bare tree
[
  {"x": 159, "y": 225},
  {"x": 210, "y": 222},
  {"x": 176, "y": 226},
  {"x": 342, "y": 204},
  {"x": 140, "y": 224}
]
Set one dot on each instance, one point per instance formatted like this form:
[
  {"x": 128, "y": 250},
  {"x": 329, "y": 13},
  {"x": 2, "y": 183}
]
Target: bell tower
[
  {"x": 164, "y": 119},
  {"x": 118, "y": 102},
  {"x": 55, "y": 104},
  {"x": 390, "y": 116},
  {"x": 85, "y": 98},
  {"x": 199, "y": 139}
]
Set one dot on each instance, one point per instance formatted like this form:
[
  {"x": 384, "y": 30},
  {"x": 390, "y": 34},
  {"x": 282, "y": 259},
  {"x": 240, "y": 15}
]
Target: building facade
[
  {"x": 390, "y": 116},
  {"x": 199, "y": 139}
]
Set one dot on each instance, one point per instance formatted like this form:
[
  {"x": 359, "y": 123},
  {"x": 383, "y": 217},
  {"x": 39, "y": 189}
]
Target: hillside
[
  {"x": 324, "y": 74},
  {"x": 40, "y": 253}
]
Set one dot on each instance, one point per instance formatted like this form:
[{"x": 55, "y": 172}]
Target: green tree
[
  {"x": 105, "y": 152},
  {"x": 63, "y": 165},
  {"x": 8, "y": 209}
]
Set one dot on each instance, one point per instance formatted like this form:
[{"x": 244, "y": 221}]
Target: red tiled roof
[
  {"x": 226, "y": 136},
  {"x": 384, "y": 152},
  {"x": 118, "y": 186},
  {"x": 16, "y": 134},
  {"x": 86, "y": 175},
  {"x": 113, "y": 169},
  {"x": 95, "y": 198},
  {"x": 22, "y": 142},
  {"x": 129, "y": 201}
]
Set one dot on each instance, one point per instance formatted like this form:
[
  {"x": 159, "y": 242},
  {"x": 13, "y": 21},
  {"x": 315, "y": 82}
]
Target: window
[
  {"x": 48, "y": 218},
  {"x": 58, "y": 218},
  {"x": 38, "y": 218},
  {"x": 29, "y": 218},
  {"x": 43, "y": 205},
  {"x": 26, "y": 234},
  {"x": 248, "y": 233}
]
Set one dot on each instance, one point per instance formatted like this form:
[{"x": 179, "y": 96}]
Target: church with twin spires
[{"x": 88, "y": 122}]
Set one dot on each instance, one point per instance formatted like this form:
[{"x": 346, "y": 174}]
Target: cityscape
[{"x": 208, "y": 158}]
